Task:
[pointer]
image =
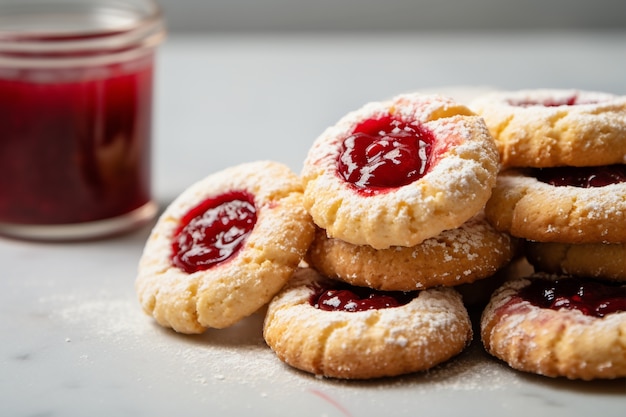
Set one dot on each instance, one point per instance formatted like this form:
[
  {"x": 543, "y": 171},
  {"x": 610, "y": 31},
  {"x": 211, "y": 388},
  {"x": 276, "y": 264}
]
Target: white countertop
[{"x": 74, "y": 340}]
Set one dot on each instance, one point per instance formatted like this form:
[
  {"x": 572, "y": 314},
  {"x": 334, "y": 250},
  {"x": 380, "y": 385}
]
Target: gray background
[{"x": 397, "y": 15}]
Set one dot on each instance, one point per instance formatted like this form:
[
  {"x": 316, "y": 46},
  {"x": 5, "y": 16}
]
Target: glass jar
[{"x": 76, "y": 93}]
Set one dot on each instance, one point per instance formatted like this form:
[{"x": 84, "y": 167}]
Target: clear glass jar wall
[{"x": 76, "y": 92}]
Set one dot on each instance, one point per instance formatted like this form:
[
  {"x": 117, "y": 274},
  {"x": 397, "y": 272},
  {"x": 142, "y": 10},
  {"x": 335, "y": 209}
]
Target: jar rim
[{"x": 95, "y": 28}]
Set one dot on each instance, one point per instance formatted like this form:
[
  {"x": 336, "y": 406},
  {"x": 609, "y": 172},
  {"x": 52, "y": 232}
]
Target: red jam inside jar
[
  {"x": 213, "y": 231},
  {"x": 345, "y": 297},
  {"x": 75, "y": 150},
  {"x": 582, "y": 177},
  {"x": 76, "y": 95},
  {"x": 382, "y": 154},
  {"x": 592, "y": 298}
]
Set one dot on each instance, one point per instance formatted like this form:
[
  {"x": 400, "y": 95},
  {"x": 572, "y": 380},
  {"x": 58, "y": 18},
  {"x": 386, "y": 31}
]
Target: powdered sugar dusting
[
  {"x": 551, "y": 127},
  {"x": 455, "y": 187},
  {"x": 268, "y": 256},
  {"x": 429, "y": 329},
  {"x": 585, "y": 215},
  {"x": 237, "y": 359}
]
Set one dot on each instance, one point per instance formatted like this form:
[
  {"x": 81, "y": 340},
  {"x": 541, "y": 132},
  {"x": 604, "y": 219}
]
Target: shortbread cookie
[
  {"x": 398, "y": 172},
  {"x": 335, "y": 330},
  {"x": 558, "y": 326},
  {"x": 598, "y": 260},
  {"x": 224, "y": 247},
  {"x": 471, "y": 252},
  {"x": 526, "y": 205},
  {"x": 546, "y": 128}
]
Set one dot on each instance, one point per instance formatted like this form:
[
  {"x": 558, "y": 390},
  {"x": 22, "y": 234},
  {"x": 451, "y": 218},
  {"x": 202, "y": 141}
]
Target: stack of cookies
[
  {"x": 396, "y": 190},
  {"x": 564, "y": 185},
  {"x": 395, "y": 218},
  {"x": 562, "y": 191},
  {"x": 360, "y": 259}
]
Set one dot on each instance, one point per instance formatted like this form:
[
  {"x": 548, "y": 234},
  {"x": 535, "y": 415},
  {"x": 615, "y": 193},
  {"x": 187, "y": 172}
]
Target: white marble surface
[{"x": 74, "y": 341}]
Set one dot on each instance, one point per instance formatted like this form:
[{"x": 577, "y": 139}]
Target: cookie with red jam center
[
  {"x": 561, "y": 205},
  {"x": 397, "y": 172},
  {"x": 224, "y": 247},
  {"x": 336, "y": 330},
  {"x": 558, "y": 326},
  {"x": 552, "y": 127}
]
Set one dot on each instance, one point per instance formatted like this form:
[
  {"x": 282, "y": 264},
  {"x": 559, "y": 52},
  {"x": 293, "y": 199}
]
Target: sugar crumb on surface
[{"x": 238, "y": 357}]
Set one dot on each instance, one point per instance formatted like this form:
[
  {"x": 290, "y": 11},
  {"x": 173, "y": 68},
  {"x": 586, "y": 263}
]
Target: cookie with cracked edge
[
  {"x": 605, "y": 261},
  {"x": 397, "y": 172},
  {"x": 528, "y": 208},
  {"x": 224, "y": 247},
  {"x": 471, "y": 252},
  {"x": 315, "y": 325},
  {"x": 555, "y": 127},
  {"x": 558, "y": 326}
]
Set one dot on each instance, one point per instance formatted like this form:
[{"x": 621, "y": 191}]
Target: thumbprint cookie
[
  {"x": 224, "y": 247},
  {"x": 335, "y": 330},
  {"x": 473, "y": 251},
  {"x": 606, "y": 261},
  {"x": 548, "y": 128},
  {"x": 397, "y": 172},
  {"x": 563, "y": 204},
  {"x": 558, "y": 326}
]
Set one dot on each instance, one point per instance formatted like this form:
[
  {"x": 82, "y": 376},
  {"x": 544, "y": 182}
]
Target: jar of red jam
[{"x": 76, "y": 92}]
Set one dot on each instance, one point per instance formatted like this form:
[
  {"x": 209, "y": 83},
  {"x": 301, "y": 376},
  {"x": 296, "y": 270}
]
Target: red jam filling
[
  {"x": 383, "y": 154},
  {"x": 583, "y": 177},
  {"x": 345, "y": 297},
  {"x": 552, "y": 102},
  {"x": 213, "y": 231},
  {"x": 592, "y": 298}
]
